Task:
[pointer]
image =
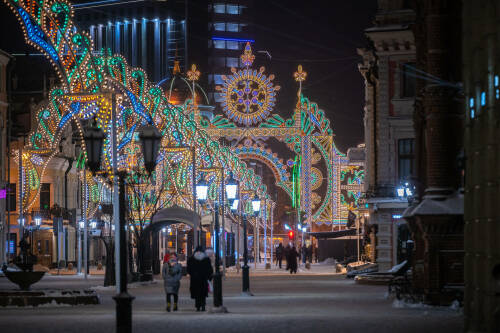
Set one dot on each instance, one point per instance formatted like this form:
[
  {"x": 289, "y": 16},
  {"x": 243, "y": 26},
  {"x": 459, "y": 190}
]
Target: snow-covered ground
[{"x": 308, "y": 302}]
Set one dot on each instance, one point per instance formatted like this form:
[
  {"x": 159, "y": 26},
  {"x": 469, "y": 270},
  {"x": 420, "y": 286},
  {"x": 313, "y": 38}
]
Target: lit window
[
  {"x": 483, "y": 98},
  {"x": 471, "y": 107},
  {"x": 219, "y": 26},
  {"x": 218, "y": 98},
  {"x": 232, "y": 45},
  {"x": 218, "y": 79},
  {"x": 233, "y": 9},
  {"x": 219, "y": 44},
  {"x": 233, "y": 27},
  {"x": 497, "y": 88},
  {"x": 232, "y": 62},
  {"x": 220, "y": 8}
]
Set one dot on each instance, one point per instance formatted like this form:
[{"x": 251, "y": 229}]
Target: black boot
[
  {"x": 175, "y": 306},
  {"x": 203, "y": 308}
]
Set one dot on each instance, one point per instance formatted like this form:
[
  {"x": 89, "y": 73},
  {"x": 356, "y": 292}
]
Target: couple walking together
[{"x": 200, "y": 271}]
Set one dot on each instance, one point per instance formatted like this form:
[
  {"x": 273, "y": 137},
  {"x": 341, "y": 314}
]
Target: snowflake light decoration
[{"x": 248, "y": 95}]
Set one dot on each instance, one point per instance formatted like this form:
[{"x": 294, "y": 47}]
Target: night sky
[
  {"x": 320, "y": 35},
  {"x": 323, "y": 37}
]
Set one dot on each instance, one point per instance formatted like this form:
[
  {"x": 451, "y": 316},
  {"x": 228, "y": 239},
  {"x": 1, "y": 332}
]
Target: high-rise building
[
  {"x": 230, "y": 28},
  {"x": 150, "y": 34}
]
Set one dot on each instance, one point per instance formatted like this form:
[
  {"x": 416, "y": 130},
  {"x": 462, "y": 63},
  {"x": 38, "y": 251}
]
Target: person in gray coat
[{"x": 172, "y": 274}]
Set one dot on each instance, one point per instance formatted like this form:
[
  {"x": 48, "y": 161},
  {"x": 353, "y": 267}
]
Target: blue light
[
  {"x": 496, "y": 81},
  {"x": 287, "y": 227},
  {"x": 234, "y": 39},
  {"x": 138, "y": 107},
  {"x": 37, "y": 36},
  {"x": 95, "y": 3},
  {"x": 483, "y": 98},
  {"x": 471, "y": 102},
  {"x": 396, "y": 216},
  {"x": 472, "y": 114}
]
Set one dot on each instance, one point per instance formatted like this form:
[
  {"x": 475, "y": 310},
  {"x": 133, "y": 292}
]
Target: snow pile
[
  {"x": 102, "y": 288},
  {"x": 396, "y": 268},
  {"x": 328, "y": 261},
  {"x": 400, "y": 304}
]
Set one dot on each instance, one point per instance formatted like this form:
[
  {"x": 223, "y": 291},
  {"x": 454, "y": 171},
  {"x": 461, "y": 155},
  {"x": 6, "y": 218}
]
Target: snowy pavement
[{"x": 308, "y": 302}]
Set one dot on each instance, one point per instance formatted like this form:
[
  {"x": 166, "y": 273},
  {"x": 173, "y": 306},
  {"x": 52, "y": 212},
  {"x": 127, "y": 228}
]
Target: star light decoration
[
  {"x": 247, "y": 57},
  {"x": 193, "y": 74},
  {"x": 300, "y": 75}
]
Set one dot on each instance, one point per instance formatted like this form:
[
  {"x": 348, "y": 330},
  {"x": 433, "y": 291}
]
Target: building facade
[
  {"x": 230, "y": 29},
  {"x": 4, "y": 61},
  {"x": 436, "y": 218},
  {"x": 388, "y": 69},
  {"x": 481, "y": 58},
  {"x": 150, "y": 34}
]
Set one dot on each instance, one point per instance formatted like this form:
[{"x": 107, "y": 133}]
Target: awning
[{"x": 333, "y": 234}]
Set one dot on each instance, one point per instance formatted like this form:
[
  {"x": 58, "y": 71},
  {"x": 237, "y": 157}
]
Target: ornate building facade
[{"x": 387, "y": 68}]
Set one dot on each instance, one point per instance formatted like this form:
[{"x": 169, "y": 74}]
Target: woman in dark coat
[
  {"x": 200, "y": 272},
  {"x": 292, "y": 260},
  {"x": 172, "y": 275}
]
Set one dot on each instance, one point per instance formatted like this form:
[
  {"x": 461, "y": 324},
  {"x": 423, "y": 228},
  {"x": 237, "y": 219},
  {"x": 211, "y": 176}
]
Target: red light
[{"x": 290, "y": 234}]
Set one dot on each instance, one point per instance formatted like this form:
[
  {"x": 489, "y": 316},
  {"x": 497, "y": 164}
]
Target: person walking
[
  {"x": 172, "y": 275},
  {"x": 200, "y": 271},
  {"x": 286, "y": 253},
  {"x": 303, "y": 252},
  {"x": 310, "y": 253},
  {"x": 292, "y": 260},
  {"x": 279, "y": 255}
]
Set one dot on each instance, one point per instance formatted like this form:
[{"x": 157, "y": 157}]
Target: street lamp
[
  {"x": 256, "y": 205},
  {"x": 150, "y": 142},
  {"x": 231, "y": 188},
  {"x": 94, "y": 139},
  {"x": 201, "y": 193},
  {"x": 202, "y": 190}
]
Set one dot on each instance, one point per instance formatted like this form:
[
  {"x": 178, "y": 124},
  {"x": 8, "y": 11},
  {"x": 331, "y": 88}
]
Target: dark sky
[{"x": 323, "y": 37}]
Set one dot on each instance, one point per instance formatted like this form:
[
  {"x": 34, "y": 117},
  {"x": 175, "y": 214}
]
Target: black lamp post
[
  {"x": 150, "y": 142},
  {"x": 201, "y": 192},
  {"x": 94, "y": 138}
]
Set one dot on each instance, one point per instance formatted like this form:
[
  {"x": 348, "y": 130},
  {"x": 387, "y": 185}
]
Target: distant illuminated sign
[
  {"x": 3, "y": 194},
  {"x": 396, "y": 216}
]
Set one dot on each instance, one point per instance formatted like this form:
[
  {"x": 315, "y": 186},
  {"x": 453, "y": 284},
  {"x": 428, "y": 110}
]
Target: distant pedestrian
[
  {"x": 172, "y": 274},
  {"x": 292, "y": 260},
  {"x": 310, "y": 253},
  {"x": 316, "y": 254},
  {"x": 279, "y": 255},
  {"x": 303, "y": 252},
  {"x": 200, "y": 271},
  {"x": 286, "y": 252}
]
